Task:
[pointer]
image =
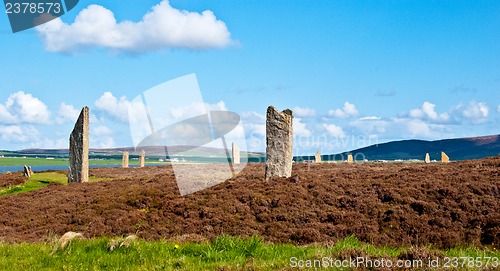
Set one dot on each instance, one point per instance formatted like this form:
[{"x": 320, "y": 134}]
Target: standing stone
[
  {"x": 279, "y": 143},
  {"x": 125, "y": 159},
  {"x": 142, "y": 158},
  {"x": 444, "y": 158},
  {"x": 79, "y": 149},
  {"x": 27, "y": 172},
  {"x": 427, "y": 158},
  {"x": 350, "y": 160},
  {"x": 236, "y": 154},
  {"x": 317, "y": 157}
]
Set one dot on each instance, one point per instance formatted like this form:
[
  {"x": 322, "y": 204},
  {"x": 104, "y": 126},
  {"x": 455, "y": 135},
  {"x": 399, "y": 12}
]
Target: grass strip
[{"x": 223, "y": 253}]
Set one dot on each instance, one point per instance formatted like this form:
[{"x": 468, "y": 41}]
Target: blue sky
[{"x": 353, "y": 72}]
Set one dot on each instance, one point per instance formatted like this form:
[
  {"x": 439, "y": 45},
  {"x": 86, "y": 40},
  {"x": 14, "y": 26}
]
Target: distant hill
[
  {"x": 159, "y": 151},
  {"x": 456, "y": 149}
]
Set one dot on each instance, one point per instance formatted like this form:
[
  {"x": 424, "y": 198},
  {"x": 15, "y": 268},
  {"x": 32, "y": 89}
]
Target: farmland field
[{"x": 21, "y": 161}]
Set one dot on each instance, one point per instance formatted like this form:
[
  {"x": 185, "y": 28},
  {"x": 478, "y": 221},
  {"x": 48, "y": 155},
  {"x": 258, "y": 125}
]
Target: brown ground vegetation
[
  {"x": 12, "y": 178},
  {"x": 446, "y": 205}
]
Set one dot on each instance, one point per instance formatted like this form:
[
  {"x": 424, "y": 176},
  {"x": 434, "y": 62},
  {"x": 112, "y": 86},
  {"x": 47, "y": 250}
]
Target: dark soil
[
  {"x": 446, "y": 205},
  {"x": 12, "y": 178}
]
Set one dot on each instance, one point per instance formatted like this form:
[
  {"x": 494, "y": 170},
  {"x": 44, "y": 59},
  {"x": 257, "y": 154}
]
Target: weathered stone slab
[
  {"x": 125, "y": 159},
  {"x": 236, "y": 154},
  {"x": 350, "y": 160},
  {"x": 279, "y": 143},
  {"x": 27, "y": 172},
  {"x": 79, "y": 149},
  {"x": 427, "y": 158},
  {"x": 142, "y": 158},
  {"x": 444, "y": 158},
  {"x": 317, "y": 157}
]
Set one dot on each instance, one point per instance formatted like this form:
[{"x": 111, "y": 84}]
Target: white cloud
[
  {"x": 299, "y": 128},
  {"x": 162, "y": 27},
  {"x": 5, "y": 115},
  {"x": 254, "y": 123},
  {"x": 370, "y": 125},
  {"x": 428, "y": 111},
  {"x": 196, "y": 108},
  {"x": 18, "y": 134},
  {"x": 101, "y": 131},
  {"x": 67, "y": 113},
  {"x": 105, "y": 142},
  {"x": 119, "y": 108},
  {"x": 417, "y": 128},
  {"x": 334, "y": 130},
  {"x": 370, "y": 118},
  {"x": 474, "y": 112},
  {"x": 116, "y": 108},
  {"x": 220, "y": 106},
  {"x": 498, "y": 108},
  {"x": 347, "y": 111},
  {"x": 400, "y": 128},
  {"x": 255, "y": 130},
  {"x": 304, "y": 112},
  {"x": 22, "y": 107},
  {"x": 61, "y": 143}
]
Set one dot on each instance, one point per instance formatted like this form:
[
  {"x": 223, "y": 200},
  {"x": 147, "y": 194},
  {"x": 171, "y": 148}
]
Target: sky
[{"x": 354, "y": 73}]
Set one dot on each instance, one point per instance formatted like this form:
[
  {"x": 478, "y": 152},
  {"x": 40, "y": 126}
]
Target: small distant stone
[
  {"x": 125, "y": 159},
  {"x": 317, "y": 157},
  {"x": 27, "y": 172},
  {"x": 122, "y": 242},
  {"x": 295, "y": 179},
  {"x": 444, "y": 158},
  {"x": 129, "y": 240},
  {"x": 64, "y": 241},
  {"x": 142, "y": 158},
  {"x": 236, "y": 154},
  {"x": 350, "y": 159},
  {"x": 427, "y": 158}
]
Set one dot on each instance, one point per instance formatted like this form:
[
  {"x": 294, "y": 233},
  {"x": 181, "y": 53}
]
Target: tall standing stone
[
  {"x": 125, "y": 159},
  {"x": 79, "y": 149},
  {"x": 350, "y": 160},
  {"x": 236, "y": 154},
  {"x": 317, "y": 157},
  {"x": 279, "y": 143},
  {"x": 427, "y": 158},
  {"x": 444, "y": 158},
  {"x": 142, "y": 158}
]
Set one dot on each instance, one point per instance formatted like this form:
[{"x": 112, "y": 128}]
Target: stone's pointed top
[
  {"x": 444, "y": 158},
  {"x": 288, "y": 112},
  {"x": 317, "y": 157},
  {"x": 350, "y": 158},
  {"x": 284, "y": 112},
  {"x": 427, "y": 158}
]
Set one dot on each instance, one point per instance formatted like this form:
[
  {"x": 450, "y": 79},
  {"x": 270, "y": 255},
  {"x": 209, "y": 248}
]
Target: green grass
[
  {"x": 30, "y": 161},
  {"x": 39, "y": 180},
  {"x": 224, "y": 253}
]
